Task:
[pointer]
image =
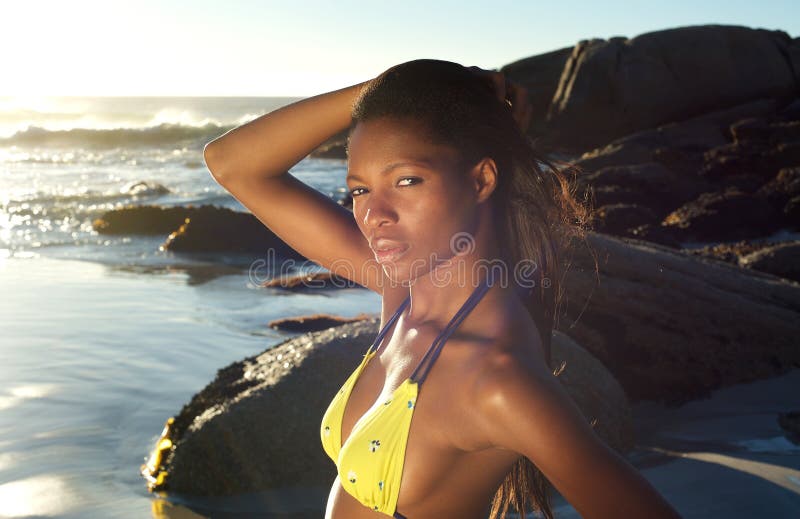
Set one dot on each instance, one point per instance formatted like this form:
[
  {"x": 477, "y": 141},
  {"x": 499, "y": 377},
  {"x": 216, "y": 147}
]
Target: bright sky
[{"x": 302, "y": 48}]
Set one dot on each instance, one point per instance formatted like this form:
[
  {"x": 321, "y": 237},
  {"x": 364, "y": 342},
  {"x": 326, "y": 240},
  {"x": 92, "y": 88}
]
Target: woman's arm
[
  {"x": 273, "y": 143},
  {"x": 252, "y": 161},
  {"x": 525, "y": 409}
]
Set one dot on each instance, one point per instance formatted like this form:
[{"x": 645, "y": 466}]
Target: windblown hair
[{"x": 534, "y": 204}]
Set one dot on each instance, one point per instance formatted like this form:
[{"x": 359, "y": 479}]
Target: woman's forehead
[{"x": 387, "y": 143}]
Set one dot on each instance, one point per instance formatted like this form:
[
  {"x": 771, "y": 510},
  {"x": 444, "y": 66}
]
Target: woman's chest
[{"x": 401, "y": 438}]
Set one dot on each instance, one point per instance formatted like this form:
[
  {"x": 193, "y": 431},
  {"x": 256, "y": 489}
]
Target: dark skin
[{"x": 490, "y": 397}]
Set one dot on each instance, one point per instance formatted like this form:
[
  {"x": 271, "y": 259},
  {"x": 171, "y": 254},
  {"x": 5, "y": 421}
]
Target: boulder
[
  {"x": 191, "y": 228},
  {"x": 648, "y": 184},
  {"x": 684, "y": 140},
  {"x": 673, "y": 327},
  {"x": 619, "y": 218},
  {"x": 781, "y": 260},
  {"x": 212, "y": 229},
  {"x": 726, "y": 215},
  {"x": 143, "y": 219},
  {"x": 540, "y": 75},
  {"x": 312, "y": 323},
  {"x": 610, "y": 88},
  {"x": 256, "y": 426}
]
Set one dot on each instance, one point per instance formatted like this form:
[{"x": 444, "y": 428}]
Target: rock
[
  {"x": 540, "y": 75},
  {"x": 723, "y": 216},
  {"x": 687, "y": 139},
  {"x": 781, "y": 191},
  {"x": 781, "y": 260},
  {"x": 727, "y": 252},
  {"x": 618, "y": 218},
  {"x": 750, "y": 157},
  {"x": 654, "y": 233},
  {"x": 763, "y": 131},
  {"x": 256, "y": 426},
  {"x": 211, "y": 228},
  {"x": 673, "y": 327},
  {"x": 146, "y": 219},
  {"x": 615, "y": 87},
  {"x": 311, "y": 281},
  {"x": 649, "y": 184},
  {"x": 333, "y": 148},
  {"x": 312, "y": 323},
  {"x": 596, "y": 392}
]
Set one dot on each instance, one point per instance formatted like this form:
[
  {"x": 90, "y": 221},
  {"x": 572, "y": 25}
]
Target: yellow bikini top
[{"x": 370, "y": 463}]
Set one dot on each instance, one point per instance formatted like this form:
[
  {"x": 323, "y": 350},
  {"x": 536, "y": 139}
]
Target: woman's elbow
[{"x": 213, "y": 159}]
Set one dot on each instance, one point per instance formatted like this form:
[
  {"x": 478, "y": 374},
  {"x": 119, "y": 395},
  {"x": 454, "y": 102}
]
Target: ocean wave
[{"x": 162, "y": 135}]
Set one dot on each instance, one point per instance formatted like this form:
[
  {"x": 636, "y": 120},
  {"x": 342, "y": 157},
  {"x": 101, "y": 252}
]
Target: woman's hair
[{"x": 534, "y": 205}]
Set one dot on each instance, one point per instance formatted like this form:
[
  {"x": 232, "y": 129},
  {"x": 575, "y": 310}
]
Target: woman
[{"x": 459, "y": 225}]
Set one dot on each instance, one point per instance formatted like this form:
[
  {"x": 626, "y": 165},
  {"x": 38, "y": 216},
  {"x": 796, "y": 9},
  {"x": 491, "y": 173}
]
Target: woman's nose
[{"x": 378, "y": 212}]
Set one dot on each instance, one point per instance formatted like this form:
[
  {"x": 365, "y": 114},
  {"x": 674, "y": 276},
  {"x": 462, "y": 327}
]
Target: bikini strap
[
  {"x": 388, "y": 324},
  {"x": 433, "y": 352}
]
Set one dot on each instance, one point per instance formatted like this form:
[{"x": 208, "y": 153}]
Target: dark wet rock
[
  {"x": 147, "y": 219},
  {"x": 333, "y": 148},
  {"x": 792, "y": 211},
  {"x": 723, "y": 216},
  {"x": 309, "y": 281},
  {"x": 781, "y": 260},
  {"x": 211, "y": 228},
  {"x": 754, "y": 158},
  {"x": 672, "y": 326},
  {"x": 651, "y": 185},
  {"x": 312, "y": 323},
  {"x": 731, "y": 252},
  {"x": 685, "y": 72},
  {"x": 760, "y": 130},
  {"x": 257, "y": 425},
  {"x": 783, "y": 193},
  {"x": 618, "y": 218}
]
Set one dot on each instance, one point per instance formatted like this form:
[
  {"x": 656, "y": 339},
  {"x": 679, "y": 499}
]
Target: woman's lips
[{"x": 383, "y": 256}]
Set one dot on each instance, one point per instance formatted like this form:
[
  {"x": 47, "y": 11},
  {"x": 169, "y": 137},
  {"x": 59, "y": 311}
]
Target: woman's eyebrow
[{"x": 425, "y": 163}]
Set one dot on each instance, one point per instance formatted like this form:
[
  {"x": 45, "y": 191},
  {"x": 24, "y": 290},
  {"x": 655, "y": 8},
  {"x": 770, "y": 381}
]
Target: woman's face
[{"x": 408, "y": 195}]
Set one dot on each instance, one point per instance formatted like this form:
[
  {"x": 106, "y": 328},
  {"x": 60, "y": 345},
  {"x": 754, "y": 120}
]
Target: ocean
[{"x": 102, "y": 338}]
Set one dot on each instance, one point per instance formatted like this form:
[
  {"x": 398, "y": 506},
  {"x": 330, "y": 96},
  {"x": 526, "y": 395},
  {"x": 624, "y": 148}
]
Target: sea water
[{"x": 102, "y": 338}]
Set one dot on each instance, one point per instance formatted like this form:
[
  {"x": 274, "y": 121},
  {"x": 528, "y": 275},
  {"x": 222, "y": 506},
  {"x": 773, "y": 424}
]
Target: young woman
[{"x": 459, "y": 224}]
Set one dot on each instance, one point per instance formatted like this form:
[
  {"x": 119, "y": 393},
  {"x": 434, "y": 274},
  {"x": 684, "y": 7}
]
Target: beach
[{"x": 104, "y": 337}]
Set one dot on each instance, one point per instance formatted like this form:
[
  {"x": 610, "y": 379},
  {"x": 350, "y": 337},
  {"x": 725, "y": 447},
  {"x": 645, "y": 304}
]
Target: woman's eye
[
  {"x": 353, "y": 191},
  {"x": 414, "y": 179}
]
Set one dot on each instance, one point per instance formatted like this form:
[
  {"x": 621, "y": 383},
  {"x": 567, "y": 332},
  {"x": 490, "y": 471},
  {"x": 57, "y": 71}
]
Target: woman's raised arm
[
  {"x": 271, "y": 144},
  {"x": 252, "y": 161}
]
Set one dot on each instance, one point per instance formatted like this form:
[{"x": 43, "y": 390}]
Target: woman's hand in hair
[{"x": 512, "y": 93}]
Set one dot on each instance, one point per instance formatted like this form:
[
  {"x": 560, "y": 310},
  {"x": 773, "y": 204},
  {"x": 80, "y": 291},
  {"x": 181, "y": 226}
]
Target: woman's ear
[{"x": 484, "y": 178}]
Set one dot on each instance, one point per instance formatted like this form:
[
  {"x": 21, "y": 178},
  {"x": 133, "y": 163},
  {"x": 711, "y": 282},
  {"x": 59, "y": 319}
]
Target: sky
[{"x": 297, "y": 48}]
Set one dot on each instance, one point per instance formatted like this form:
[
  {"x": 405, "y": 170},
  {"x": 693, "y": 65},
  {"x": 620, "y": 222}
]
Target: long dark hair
[{"x": 534, "y": 205}]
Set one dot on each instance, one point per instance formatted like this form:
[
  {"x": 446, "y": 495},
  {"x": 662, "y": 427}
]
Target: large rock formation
[
  {"x": 672, "y": 326},
  {"x": 610, "y": 88}
]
